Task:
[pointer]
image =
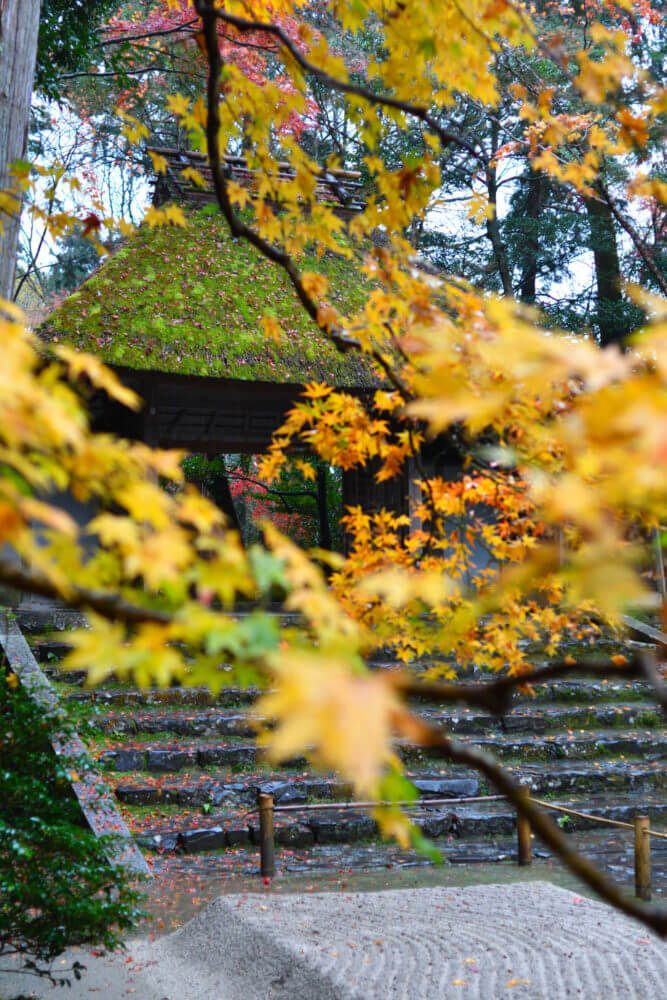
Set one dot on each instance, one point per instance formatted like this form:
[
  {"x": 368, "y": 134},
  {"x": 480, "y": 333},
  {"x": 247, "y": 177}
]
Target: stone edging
[{"x": 96, "y": 803}]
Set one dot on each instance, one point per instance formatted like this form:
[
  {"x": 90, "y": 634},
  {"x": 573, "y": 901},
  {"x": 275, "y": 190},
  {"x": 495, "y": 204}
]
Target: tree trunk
[
  {"x": 493, "y": 232},
  {"x": 19, "y": 27},
  {"x": 221, "y": 495},
  {"x": 323, "y": 509},
  {"x": 533, "y": 209},
  {"x": 611, "y": 314}
]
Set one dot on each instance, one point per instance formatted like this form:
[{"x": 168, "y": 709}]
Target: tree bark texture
[
  {"x": 533, "y": 209},
  {"x": 19, "y": 27},
  {"x": 493, "y": 232},
  {"x": 612, "y": 321},
  {"x": 323, "y": 509},
  {"x": 221, "y": 495}
]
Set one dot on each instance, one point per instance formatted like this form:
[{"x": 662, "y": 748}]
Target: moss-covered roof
[{"x": 190, "y": 301}]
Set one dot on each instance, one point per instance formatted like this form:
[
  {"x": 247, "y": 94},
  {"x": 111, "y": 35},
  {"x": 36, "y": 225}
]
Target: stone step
[
  {"x": 216, "y": 790},
  {"x": 595, "y": 743},
  {"x": 547, "y": 717},
  {"x": 170, "y": 756},
  {"x": 577, "y": 690},
  {"x": 190, "y": 834},
  {"x": 41, "y": 619},
  {"x": 46, "y": 619},
  {"x": 175, "y": 696},
  {"x": 587, "y": 691}
]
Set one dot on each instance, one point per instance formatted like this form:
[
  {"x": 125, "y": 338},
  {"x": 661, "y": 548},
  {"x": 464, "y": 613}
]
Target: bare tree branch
[
  {"x": 149, "y": 34},
  {"x": 129, "y": 72},
  {"x": 109, "y": 605},
  {"x": 545, "y": 828},
  {"x": 639, "y": 243},
  {"x": 496, "y": 696}
]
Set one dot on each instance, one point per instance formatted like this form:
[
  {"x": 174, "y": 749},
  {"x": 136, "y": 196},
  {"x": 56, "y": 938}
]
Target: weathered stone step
[
  {"x": 172, "y": 756},
  {"x": 598, "y": 743},
  {"x": 218, "y": 790},
  {"x": 175, "y": 696},
  {"x": 336, "y": 826},
  {"x": 587, "y": 691},
  {"x": 546, "y": 717},
  {"x": 43, "y": 619},
  {"x": 549, "y": 717},
  {"x": 40, "y": 619},
  {"x": 210, "y": 723},
  {"x": 206, "y": 789}
]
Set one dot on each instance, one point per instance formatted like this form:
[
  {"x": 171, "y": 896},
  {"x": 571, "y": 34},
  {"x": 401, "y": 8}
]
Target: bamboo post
[
  {"x": 267, "y": 846},
  {"x": 524, "y": 839},
  {"x": 642, "y": 858}
]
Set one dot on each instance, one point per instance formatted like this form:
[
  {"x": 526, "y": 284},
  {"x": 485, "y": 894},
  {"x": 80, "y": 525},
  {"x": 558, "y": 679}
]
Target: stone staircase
[{"x": 186, "y": 772}]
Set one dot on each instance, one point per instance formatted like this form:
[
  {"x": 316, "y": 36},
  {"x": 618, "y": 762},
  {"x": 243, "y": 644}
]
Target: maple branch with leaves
[
  {"x": 446, "y": 135},
  {"x": 342, "y": 341},
  {"x": 495, "y": 696}
]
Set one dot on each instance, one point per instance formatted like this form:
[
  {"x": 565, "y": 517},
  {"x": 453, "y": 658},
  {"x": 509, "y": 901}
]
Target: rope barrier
[
  {"x": 640, "y": 827},
  {"x": 411, "y": 804},
  {"x": 347, "y": 804},
  {"x": 427, "y": 803},
  {"x": 597, "y": 819}
]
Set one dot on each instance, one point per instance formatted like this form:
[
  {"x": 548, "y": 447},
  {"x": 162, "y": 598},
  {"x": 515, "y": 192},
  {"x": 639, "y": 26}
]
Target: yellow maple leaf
[
  {"x": 79, "y": 363},
  {"x": 160, "y": 163},
  {"x": 174, "y": 215},
  {"x": 272, "y": 328},
  {"x": 315, "y": 284},
  {"x": 194, "y": 176},
  {"x": 238, "y": 195},
  {"x": 178, "y": 104}
]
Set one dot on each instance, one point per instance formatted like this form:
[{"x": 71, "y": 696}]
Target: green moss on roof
[{"x": 190, "y": 301}]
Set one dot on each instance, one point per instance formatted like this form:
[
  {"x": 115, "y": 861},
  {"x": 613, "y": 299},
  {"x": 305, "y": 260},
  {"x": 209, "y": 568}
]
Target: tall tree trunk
[
  {"x": 493, "y": 232},
  {"x": 533, "y": 210},
  {"x": 323, "y": 509},
  {"x": 19, "y": 27},
  {"x": 218, "y": 489},
  {"x": 611, "y": 314}
]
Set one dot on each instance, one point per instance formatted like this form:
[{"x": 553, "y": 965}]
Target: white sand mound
[
  {"x": 529, "y": 941},
  {"x": 525, "y": 942}
]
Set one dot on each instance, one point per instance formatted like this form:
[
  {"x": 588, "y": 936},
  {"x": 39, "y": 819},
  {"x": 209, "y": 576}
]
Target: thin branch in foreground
[
  {"x": 446, "y": 136},
  {"x": 122, "y": 39},
  {"x": 496, "y": 696},
  {"x": 549, "y": 832},
  {"x": 109, "y": 605},
  {"x": 640, "y": 245}
]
